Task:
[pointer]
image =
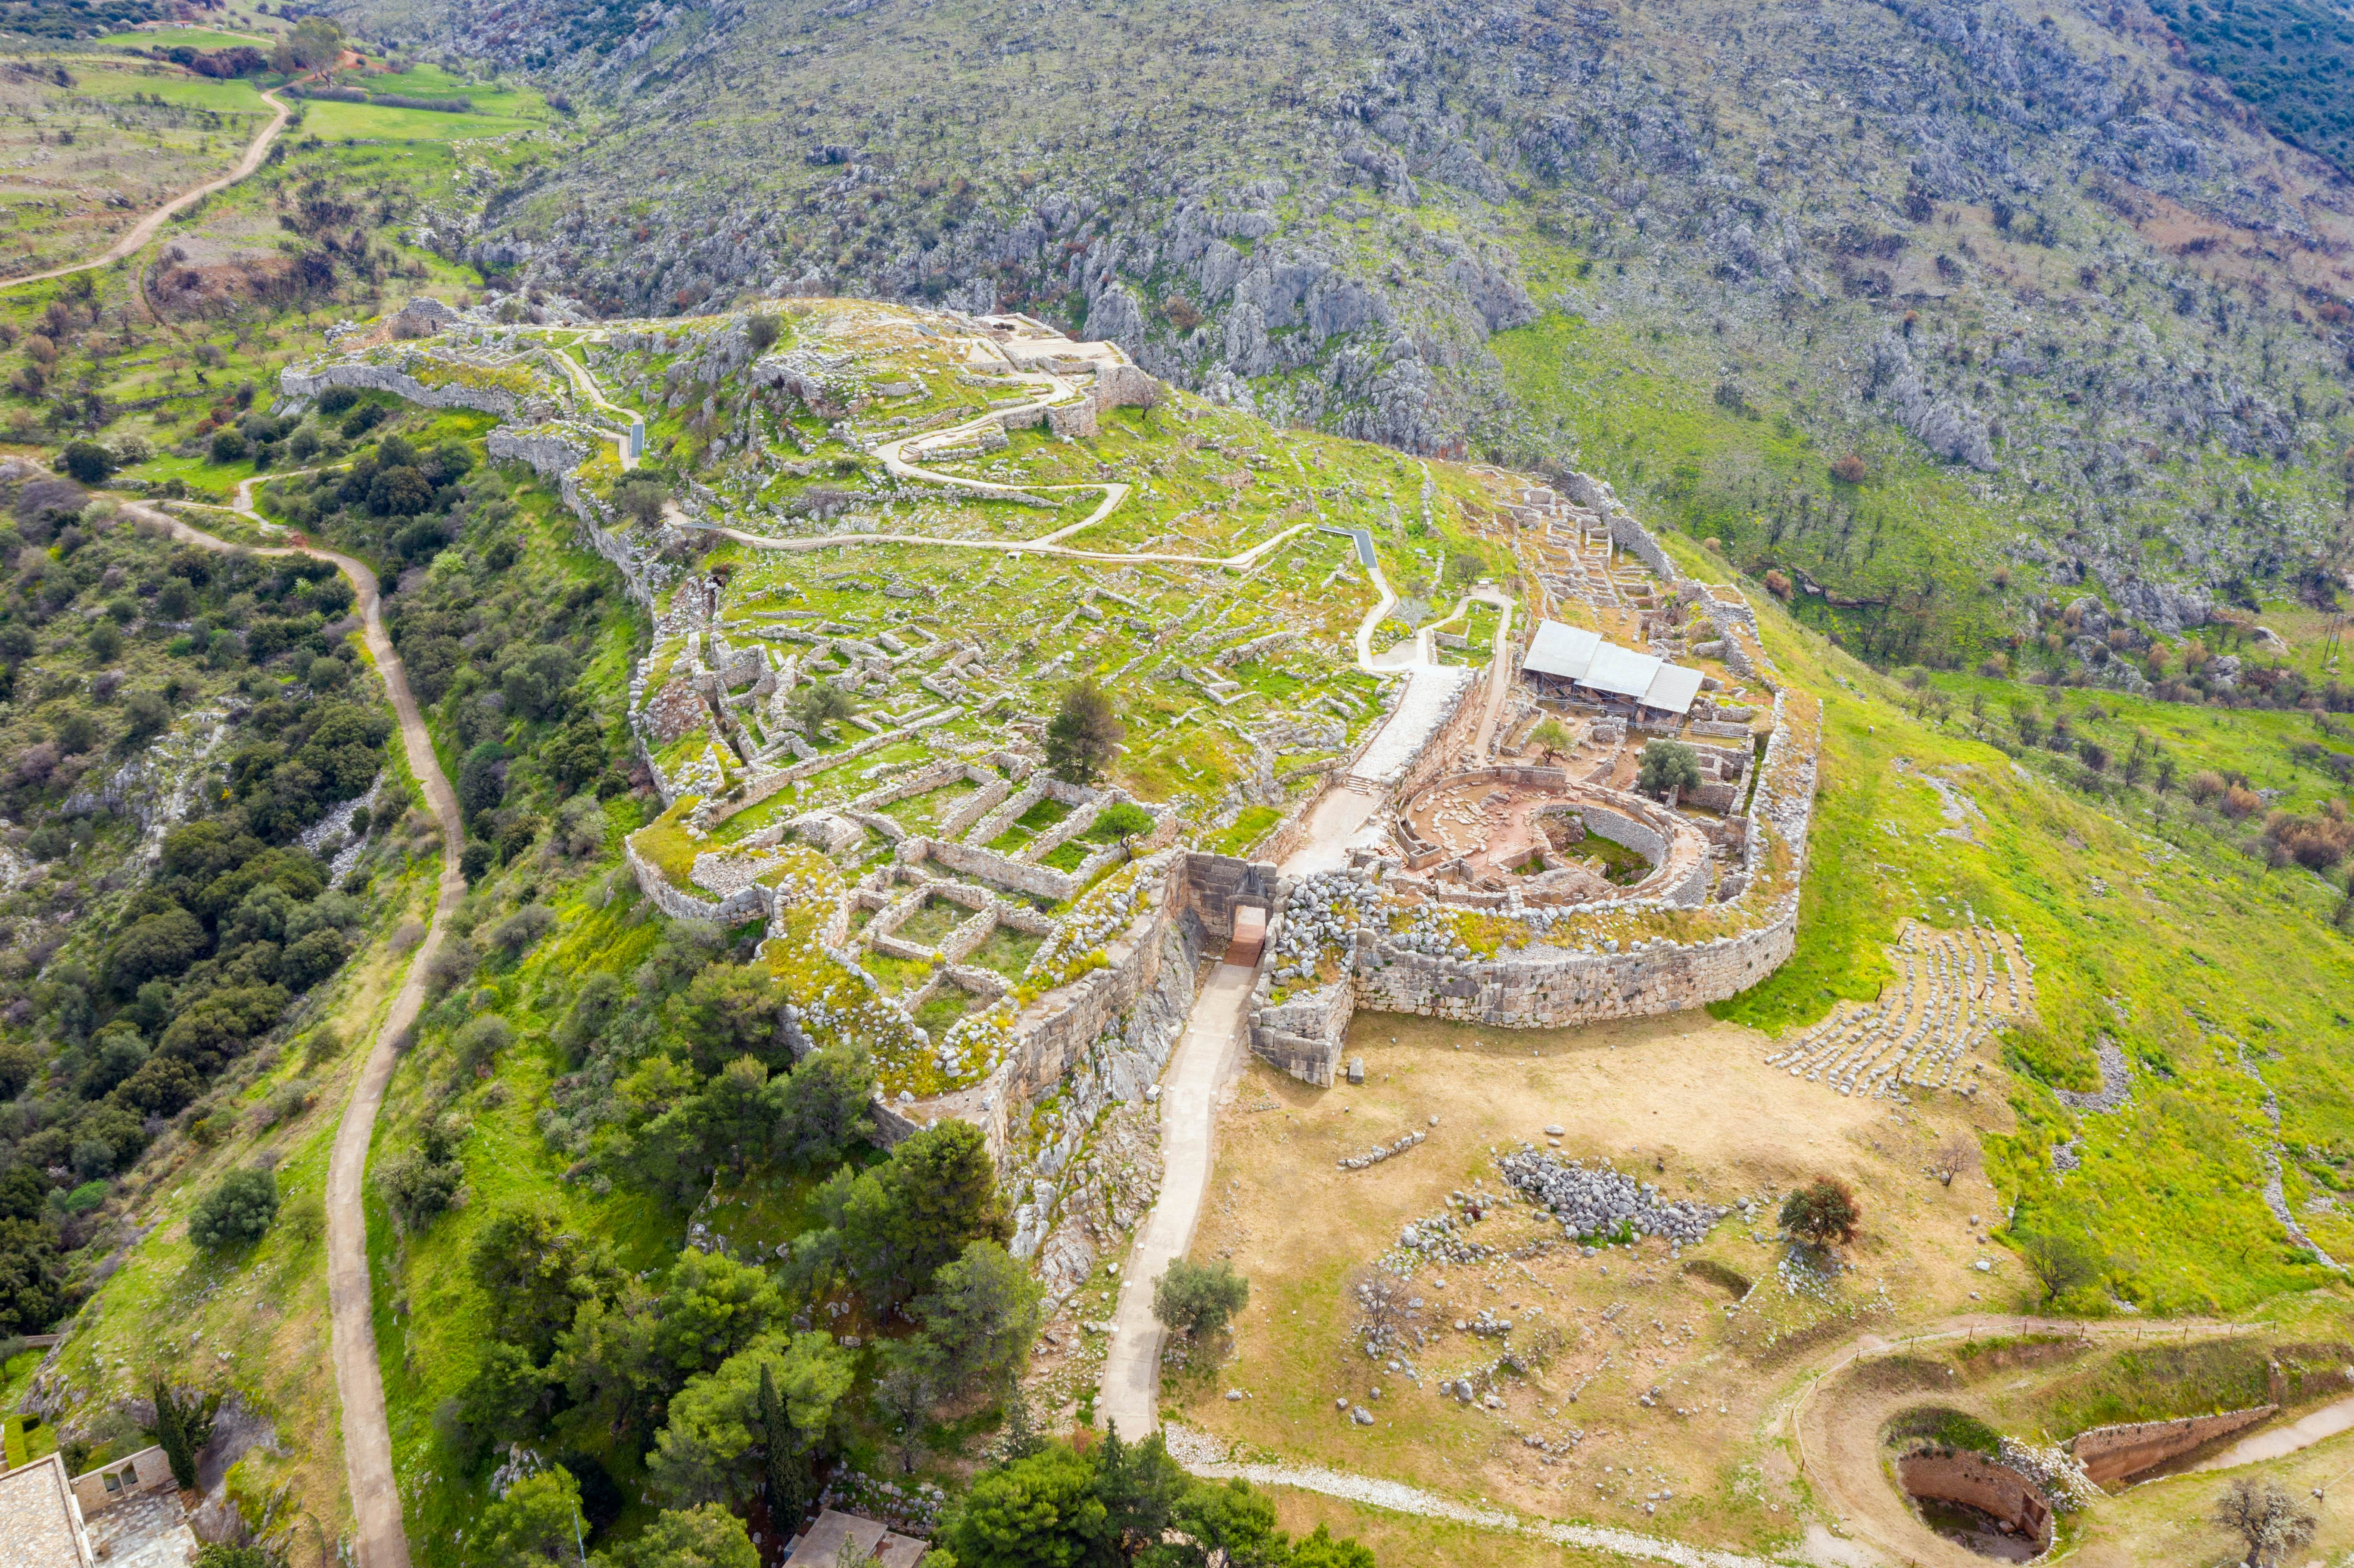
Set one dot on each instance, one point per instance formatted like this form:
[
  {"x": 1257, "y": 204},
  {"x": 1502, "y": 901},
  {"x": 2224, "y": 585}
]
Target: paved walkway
[
  {"x": 1198, "y": 1070},
  {"x": 359, "y": 1381},
  {"x": 144, "y": 229},
  {"x": 2282, "y": 1441}
]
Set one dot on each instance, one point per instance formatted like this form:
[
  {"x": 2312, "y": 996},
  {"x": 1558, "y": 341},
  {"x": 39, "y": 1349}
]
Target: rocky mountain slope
[{"x": 2027, "y": 267}]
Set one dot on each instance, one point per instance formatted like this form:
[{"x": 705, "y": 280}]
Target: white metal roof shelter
[
  {"x": 1672, "y": 689},
  {"x": 1621, "y": 672},
  {"x": 1577, "y": 655},
  {"x": 1564, "y": 651}
]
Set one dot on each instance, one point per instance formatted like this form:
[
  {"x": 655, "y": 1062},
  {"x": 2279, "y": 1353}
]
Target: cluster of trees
[
  {"x": 715, "y": 1374},
  {"x": 1113, "y": 1503},
  {"x": 395, "y": 500},
  {"x": 107, "y": 1043},
  {"x": 499, "y": 640}
]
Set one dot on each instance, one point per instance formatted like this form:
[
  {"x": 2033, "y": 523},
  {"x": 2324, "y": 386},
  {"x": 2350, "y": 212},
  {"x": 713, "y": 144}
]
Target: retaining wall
[
  {"x": 1980, "y": 1483},
  {"x": 2112, "y": 1453}
]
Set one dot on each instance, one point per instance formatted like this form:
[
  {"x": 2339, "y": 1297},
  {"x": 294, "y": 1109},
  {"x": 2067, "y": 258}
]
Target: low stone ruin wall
[
  {"x": 2112, "y": 1453},
  {"x": 987, "y": 865}
]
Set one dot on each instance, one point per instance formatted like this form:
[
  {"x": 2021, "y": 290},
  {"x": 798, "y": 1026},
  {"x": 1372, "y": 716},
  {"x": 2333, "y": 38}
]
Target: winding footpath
[
  {"x": 895, "y": 461},
  {"x": 144, "y": 229},
  {"x": 381, "y": 1541}
]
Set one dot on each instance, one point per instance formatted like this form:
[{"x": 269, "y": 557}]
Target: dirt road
[
  {"x": 359, "y": 1383},
  {"x": 1198, "y": 1069},
  {"x": 144, "y": 229}
]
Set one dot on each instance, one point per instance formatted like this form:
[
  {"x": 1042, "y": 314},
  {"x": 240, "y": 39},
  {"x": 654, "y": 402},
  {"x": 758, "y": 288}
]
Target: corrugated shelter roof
[
  {"x": 1622, "y": 671},
  {"x": 1672, "y": 689},
  {"x": 1560, "y": 651}
]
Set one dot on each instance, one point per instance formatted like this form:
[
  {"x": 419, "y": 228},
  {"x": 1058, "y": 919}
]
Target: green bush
[
  {"x": 238, "y": 1209},
  {"x": 87, "y": 461},
  {"x": 1199, "y": 1299}
]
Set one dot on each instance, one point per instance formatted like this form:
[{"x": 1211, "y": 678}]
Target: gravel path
[
  {"x": 1197, "y": 1455},
  {"x": 359, "y": 1383}
]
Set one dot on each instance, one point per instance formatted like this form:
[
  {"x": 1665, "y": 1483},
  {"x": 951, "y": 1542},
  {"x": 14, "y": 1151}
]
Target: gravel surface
[{"x": 1205, "y": 1457}]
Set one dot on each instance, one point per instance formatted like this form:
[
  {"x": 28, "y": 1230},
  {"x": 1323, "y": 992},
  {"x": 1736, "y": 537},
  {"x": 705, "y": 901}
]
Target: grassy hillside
[
  {"x": 2149, "y": 924},
  {"x": 1994, "y": 289}
]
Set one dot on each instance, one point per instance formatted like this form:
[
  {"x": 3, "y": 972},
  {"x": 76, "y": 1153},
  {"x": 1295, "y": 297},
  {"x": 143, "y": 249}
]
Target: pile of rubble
[{"x": 1600, "y": 1200}]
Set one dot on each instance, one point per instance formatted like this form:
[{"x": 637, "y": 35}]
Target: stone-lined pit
[{"x": 1977, "y": 1502}]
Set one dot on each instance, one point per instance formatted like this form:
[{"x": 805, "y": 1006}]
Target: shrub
[
  {"x": 516, "y": 934},
  {"x": 239, "y": 1210},
  {"x": 417, "y": 1188},
  {"x": 640, "y": 500},
  {"x": 1849, "y": 470},
  {"x": 1822, "y": 1213},
  {"x": 1199, "y": 1299},
  {"x": 87, "y": 461},
  {"x": 480, "y": 1042},
  {"x": 228, "y": 446}
]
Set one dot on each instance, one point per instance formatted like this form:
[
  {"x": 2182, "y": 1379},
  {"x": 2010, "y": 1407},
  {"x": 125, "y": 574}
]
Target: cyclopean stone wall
[
  {"x": 1562, "y": 978},
  {"x": 1545, "y": 988}
]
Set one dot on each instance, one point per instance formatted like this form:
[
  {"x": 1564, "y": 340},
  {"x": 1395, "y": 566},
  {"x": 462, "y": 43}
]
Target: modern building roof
[
  {"x": 1562, "y": 651},
  {"x": 1621, "y": 672},
  {"x": 1573, "y": 653},
  {"x": 1672, "y": 689},
  {"x": 40, "y": 1524},
  {"x": 867, "y": 1542}
]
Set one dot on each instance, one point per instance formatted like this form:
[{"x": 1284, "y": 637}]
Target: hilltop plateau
[{"x": 1548, "y": 783}]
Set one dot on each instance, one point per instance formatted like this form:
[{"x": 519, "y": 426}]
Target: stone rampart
[
  {"x": 366, "y": 375},
  {"x": 1304, "y": 1033},
  {"x": 1546, "y": 988},
  {"x": 1141, "y": 993},
  {"x": 681, "y": 905},
  {"x": 551, "y": 451},
  {"x": 2113, "y": 1453}
]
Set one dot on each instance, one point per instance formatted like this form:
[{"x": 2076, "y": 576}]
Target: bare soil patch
[{"x": 1655, "y": 1397}]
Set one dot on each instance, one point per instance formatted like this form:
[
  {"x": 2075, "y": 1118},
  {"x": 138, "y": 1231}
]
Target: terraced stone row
[{"x": 1959, "y": 986}]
